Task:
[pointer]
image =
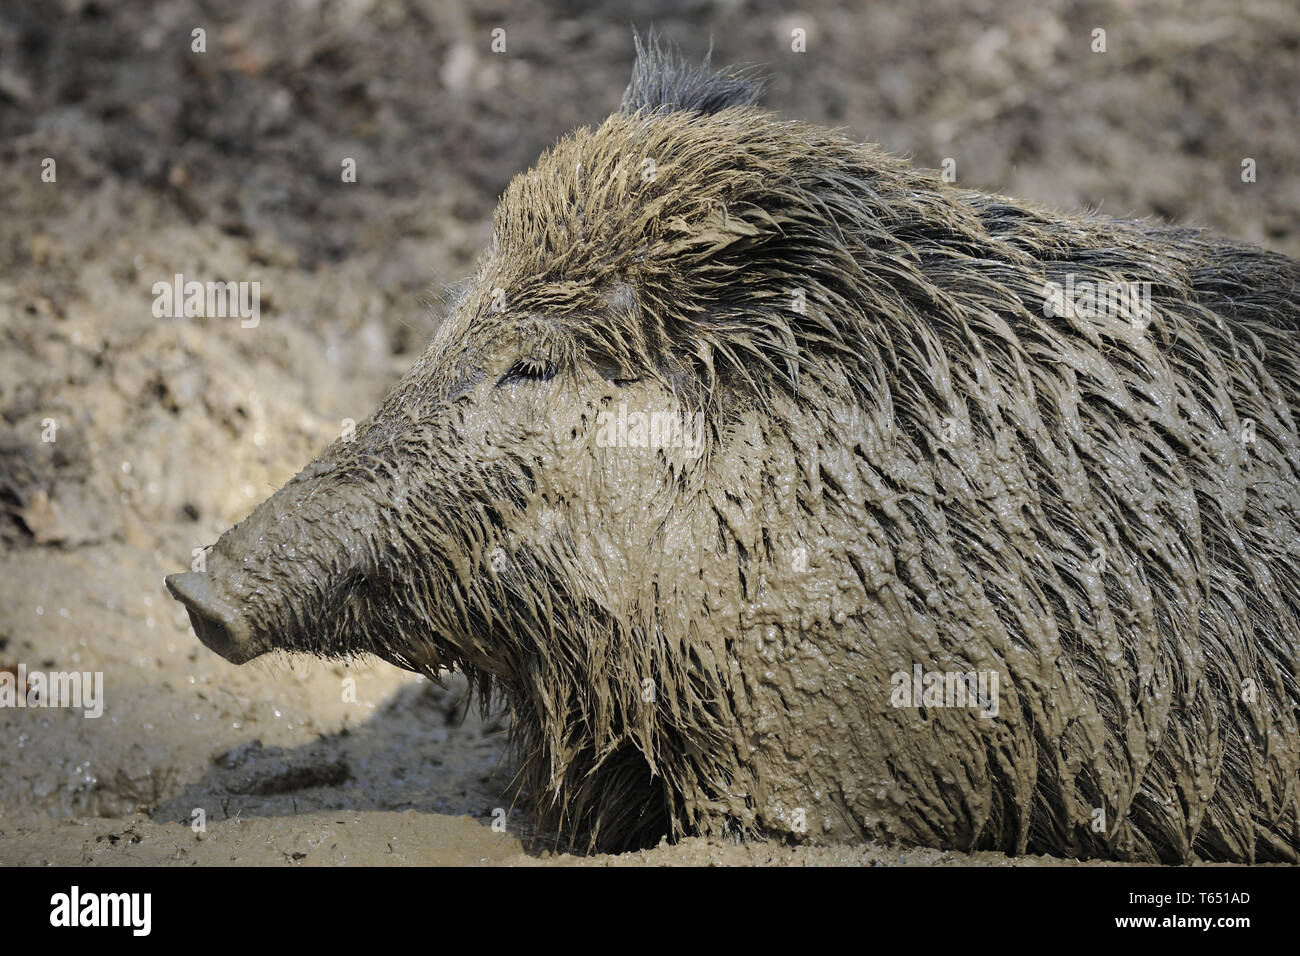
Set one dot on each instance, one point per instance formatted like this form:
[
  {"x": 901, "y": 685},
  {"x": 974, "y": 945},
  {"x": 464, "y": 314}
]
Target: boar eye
[{"x": 528, "y": 369}]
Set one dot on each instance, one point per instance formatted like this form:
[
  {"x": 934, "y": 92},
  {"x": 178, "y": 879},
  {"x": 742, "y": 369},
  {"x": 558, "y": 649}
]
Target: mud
[{"x": 145, "y": 192}]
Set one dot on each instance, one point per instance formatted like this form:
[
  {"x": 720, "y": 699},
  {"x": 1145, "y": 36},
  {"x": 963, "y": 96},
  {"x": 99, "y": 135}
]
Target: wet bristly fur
[{"x": 1104, "y": 512}]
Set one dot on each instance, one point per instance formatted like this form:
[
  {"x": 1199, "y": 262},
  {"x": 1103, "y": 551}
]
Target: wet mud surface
[{"x": 225, "y": 166}]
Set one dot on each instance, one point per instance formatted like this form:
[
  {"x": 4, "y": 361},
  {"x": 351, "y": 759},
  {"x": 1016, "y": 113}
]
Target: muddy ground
[{"x": 225, "y": 165}]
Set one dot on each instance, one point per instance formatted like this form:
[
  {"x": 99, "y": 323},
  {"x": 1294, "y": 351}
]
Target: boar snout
[
  {"x": 316, "y": 550},
  {"x": 217, "y": 624}
]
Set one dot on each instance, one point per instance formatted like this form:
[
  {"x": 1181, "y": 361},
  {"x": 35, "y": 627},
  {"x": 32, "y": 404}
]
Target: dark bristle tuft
[{"x": 662, "y": 79}]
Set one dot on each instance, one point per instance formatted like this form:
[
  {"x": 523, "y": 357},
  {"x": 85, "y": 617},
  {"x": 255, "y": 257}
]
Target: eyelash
[{"x": 532, "y": 370}]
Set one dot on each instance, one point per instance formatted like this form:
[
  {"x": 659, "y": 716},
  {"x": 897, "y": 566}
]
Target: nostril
[{"x": 209, "y": 630}]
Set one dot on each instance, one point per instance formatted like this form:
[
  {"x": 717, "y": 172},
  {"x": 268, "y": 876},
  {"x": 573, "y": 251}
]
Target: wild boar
[{"x": 781, "y": 488}]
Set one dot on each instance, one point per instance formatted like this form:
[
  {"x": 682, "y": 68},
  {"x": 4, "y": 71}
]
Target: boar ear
[{"x": 662, "y": 79}]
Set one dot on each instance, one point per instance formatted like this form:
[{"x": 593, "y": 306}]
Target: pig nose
[{"x": 218, "y": 625}]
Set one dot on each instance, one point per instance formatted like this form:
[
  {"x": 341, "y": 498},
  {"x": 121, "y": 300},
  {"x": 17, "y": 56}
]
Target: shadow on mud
[{"x": 427, "y": 749}]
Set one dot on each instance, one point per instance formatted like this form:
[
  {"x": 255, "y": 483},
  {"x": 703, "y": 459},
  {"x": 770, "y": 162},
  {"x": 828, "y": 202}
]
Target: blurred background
[{"x": 225, "y": 165}]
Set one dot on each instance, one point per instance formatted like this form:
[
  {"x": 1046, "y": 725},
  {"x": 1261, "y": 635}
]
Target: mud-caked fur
[{"x": 910, "y": 459}]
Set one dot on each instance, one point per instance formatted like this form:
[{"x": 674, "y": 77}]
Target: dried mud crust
[{"x": 226, "y": 166}]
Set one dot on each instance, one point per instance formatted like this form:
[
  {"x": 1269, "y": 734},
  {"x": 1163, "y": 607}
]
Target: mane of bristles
[{"x": 663, "y": 79}]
